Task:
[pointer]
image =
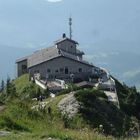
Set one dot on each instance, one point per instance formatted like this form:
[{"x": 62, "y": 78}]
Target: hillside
[
  {"x": 30, "y": 119},
  {"x": 7, "y": 65}
]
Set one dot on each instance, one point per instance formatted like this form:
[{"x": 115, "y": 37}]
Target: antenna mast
[{"x": 70, "y": 27}]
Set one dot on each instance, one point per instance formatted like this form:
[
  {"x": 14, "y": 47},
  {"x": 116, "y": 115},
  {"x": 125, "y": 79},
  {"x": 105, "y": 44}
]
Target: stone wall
[
  {"x": 22, "y": 68},
  {"x": 67, "y": 46},
  {"x": 61, "y": 68}
]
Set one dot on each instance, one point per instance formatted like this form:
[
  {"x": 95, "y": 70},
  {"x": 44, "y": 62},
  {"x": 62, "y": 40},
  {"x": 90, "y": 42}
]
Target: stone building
[{"x": 62, "y": 61}]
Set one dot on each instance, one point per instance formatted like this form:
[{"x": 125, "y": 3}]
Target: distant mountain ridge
[
  {"x": 8, "y": 55},
  {"x": 116, "y": 56}
]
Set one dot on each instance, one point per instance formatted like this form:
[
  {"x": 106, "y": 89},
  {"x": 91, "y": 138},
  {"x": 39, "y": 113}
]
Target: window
[
  {"x": 24, "y": 67},
  {"x": 80, "y": 69},
  {"x": 71, "y": 46},
  {"x": 48, "y": 70},
  {"x": 61, "y": 70},
  {"x": 50, "y": 76},
  {"x": 36, "y": 71},
  {"x": 56, "y": 71},
  {"x": 66, "y": 70}
]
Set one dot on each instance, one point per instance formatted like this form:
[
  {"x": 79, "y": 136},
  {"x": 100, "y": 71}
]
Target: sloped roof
[
  {"x": 74, "y": 57},
  {"x": 85, "y": 83},
  {"x": 50, "y": 53},
  {"x": 42, "y": 56},
  {"x": 79, "y": 52},
  {"x": 22, "y": 59},
  {"x": 64, "y": 39}
]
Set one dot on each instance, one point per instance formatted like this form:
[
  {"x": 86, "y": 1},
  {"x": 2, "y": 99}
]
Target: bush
[
  {"x": 29, "y": 91},
  {"x": 35, "y": 115},
  {"x": 66, "y": 120},
  {"x": 71, "y": 87},
  {"x": 96, "y": 111},
  {"x": 129, "y": 99},
  {"x": 9, "y": 124}
]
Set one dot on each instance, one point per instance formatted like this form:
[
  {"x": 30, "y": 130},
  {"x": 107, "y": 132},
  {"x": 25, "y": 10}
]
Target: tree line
[{"x": 7, "y": 89}]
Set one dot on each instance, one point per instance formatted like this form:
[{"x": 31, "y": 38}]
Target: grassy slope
[
  {"x": 50, "y": 126},
  {"x": 21, "y": 82},
  {"x": 28, "y": 124},
  {"x": 40, "y": 125}
]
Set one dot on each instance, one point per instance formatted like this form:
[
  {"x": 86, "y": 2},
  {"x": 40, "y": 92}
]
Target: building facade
[{"x": 62, "y": 61}]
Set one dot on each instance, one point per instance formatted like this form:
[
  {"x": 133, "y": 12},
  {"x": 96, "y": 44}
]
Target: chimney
[{"x": 64, "y": 35}]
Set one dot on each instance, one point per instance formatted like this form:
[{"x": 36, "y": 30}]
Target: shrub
[
  {"x": 96, "y": 111},
  {"x": 71, "y": 87},
  {"x": 9, "y": 124}
]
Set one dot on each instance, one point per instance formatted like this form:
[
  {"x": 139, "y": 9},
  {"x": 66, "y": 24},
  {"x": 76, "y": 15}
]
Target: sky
[{"x": 107, "y": 30}]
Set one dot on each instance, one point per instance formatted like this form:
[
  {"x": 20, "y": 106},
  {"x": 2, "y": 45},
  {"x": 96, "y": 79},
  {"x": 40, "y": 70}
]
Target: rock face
[
  {"x": 69, "y": 105},
  {"x": 4, "y": 133}
]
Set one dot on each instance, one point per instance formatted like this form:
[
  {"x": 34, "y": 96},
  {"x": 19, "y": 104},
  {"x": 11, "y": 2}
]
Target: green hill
[{"x": 25, "y": 119}]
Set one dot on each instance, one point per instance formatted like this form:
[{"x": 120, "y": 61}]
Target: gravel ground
[{"x": 69, "y": 105}]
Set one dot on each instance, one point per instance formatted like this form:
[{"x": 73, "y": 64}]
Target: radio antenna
[{"x": 70, "y": 27}]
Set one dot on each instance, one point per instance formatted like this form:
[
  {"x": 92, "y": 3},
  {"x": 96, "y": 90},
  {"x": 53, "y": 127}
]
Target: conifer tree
[
  {"x": 2, "y": 86},
  {"x": 13, "y": 92},
  {"x": 8, "y": 86}
]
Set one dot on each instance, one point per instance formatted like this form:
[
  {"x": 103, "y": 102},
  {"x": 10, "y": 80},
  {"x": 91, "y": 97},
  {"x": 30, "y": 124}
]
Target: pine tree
[
  {"x": 10, "y": 89},
  {"x": 2, "y": 86},
  {"x": 8, "y": 86},
  {"x": 13, "y": 92}
]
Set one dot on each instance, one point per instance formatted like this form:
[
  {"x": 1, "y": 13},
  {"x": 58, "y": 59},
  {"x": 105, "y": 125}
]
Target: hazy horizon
[{"x": 108, "y": 31}]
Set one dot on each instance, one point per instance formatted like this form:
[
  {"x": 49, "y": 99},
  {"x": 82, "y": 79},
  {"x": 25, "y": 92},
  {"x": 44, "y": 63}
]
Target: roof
[
  {"x": 79, "y": 52},
  {"x": 22, "y": 59},
  {"x": 43, "y": 55},
  {"x": 74, "y": 57},
  {"x": 50, "y": 53},
  {"x": 65, "y": 38},
  {"x": 85, "y": 84}
]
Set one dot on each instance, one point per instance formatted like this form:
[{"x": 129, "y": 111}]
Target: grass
[
  {"x": 45, "y": 126},
  {"x": 57, "y": 135},
  {"x": 21, "y": 82},
  {"x": 26, "y": 124},
  {"x": 42, "y": 125}
]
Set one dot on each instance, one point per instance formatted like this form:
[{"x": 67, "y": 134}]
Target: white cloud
[{"x": 53, "y": 0}]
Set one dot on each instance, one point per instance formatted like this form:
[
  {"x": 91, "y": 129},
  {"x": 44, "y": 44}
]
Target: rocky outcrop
[{"x": 69, "y": 105}]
